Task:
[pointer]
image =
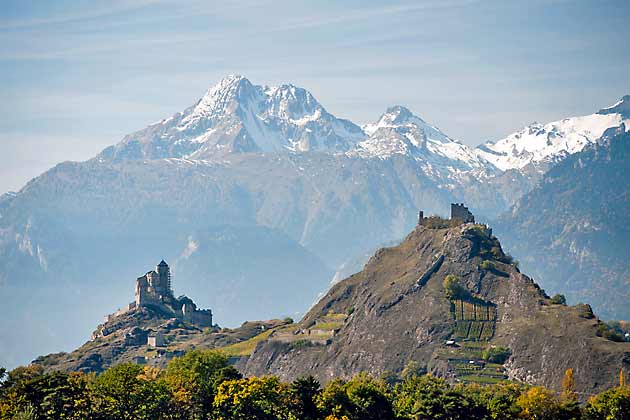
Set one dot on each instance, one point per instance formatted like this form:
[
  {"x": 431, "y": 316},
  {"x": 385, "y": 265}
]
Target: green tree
[
  {"x": 413, "y": 368},
  {"x": 362, "y": 397},
  {"x": 499, "y": 400},
  {"x": 56, "y": 395},
  {"x": 452, "y": 288},
  {"x": 613, "y": 404},
  {"x": 333, "y": 400},
  {"x": 125, "y": 392},
  {"x": 305, "y": 392},
  {"x": 194, "y": 378},
  {"x": 428, "y": 397},
  {"x": 496, "y": 354},
  {"x": 369, "y": 398}
]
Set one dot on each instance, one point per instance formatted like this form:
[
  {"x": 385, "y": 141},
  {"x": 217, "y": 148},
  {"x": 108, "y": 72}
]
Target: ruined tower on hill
[{"x": 461, "y": 212}]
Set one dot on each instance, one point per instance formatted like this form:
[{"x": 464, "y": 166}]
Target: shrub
[
  {"x": 558, "y": 299},
  {"x": 496, "y": 354},
  {"x": 585, "y": 311},
  {"x": 413, "y": 368},
  {"x": 452, "y": 288},
  {"x": 487, "y": 265},
  {"x": 603, "y": 330}
]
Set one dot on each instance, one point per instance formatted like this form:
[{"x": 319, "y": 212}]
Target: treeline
[{"x": 202, "y": 385}]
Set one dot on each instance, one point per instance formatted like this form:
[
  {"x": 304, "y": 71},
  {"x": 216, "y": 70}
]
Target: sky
[{"x": 76, "y": 76}]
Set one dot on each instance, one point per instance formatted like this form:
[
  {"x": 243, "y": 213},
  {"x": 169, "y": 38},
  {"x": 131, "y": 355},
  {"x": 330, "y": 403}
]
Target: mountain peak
[
  {"x": 236, "y": 116},
  {"x": 399, "y": 115},
  {"x": 621, "y": 107},
  {"x": 394, "y": 116}
]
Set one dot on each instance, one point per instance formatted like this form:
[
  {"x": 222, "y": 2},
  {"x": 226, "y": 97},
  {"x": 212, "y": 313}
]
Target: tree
[
  {"x": 369, "y": 398},
  {"x": 56, "y": 395},
  {"x": 568, "y": 387},
  {"x": 362, "y": 397},
  {"x": 539, "y": 403},
  {"x": 123, "y": 392},
  {"x": 496, "y": 354},
  {"x": 499, "y": 400},
  {"x": 452, "y": 288},
  {"x": 264, "y": 398},
  {"x": 333, "y": 400},
  {"x": 428, "y": 397},
  {"x": 305, "y": 391},
  {"x": 413, "y": 368},
  {"x": 613, "y": 404},
  {"x": 194, "y": 378}
]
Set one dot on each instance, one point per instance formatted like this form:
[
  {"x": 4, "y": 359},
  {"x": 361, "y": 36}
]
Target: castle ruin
[
  {"x": 458, "y": 212},
  {"x": 461, "y": 212},
  {"x": 153, "y": 290}
]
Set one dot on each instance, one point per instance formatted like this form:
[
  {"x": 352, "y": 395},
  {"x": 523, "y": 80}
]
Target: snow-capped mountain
[
  {"x": 399, "y": 132},
  {"x": 237, "y": 116},
  {"x": 549, "y": 143}
]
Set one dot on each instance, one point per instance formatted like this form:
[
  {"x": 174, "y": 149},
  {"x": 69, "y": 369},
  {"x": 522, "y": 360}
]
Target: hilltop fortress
[{"x": 153, "y": 290}]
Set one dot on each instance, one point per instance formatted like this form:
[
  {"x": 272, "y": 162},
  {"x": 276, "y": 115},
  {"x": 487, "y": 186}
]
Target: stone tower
[
  {"x": 461, "y": 212},
  {"x": 164, "y": 279}
]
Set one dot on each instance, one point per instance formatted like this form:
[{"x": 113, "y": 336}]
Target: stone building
[
  {"x": 153, "y": 290},
  {"x": 461, "y": 212},
  {"x": 155, "y": 340}
]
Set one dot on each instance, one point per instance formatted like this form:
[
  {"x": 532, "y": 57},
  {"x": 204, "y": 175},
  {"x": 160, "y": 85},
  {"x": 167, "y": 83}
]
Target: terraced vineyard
[{"x": 473, "y": 320}]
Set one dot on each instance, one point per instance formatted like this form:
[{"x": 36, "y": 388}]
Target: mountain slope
[
  {"x": 540, "y": 144},
  {"x": 571, "y": 231},
  {"x": 396, "y": 311}
]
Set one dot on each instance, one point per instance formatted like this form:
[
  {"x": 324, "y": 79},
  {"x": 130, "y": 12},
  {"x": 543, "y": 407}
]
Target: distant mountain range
[
  {"x": 571, "y": 231},
  {"x": 252, "y": 168}
]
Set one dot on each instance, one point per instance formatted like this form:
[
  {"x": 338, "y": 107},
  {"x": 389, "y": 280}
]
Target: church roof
[{"x": 162, "y": 264}]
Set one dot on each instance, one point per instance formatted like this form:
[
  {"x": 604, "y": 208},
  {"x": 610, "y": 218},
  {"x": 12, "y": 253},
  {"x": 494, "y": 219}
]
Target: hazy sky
[{"x": 75, "y": 76}]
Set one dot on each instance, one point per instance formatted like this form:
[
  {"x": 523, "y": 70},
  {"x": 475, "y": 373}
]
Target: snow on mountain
[
  {"x": 400, "y": 132},
  {"x": 544, "y": 143},
  {"x": 237, "y": 116}
]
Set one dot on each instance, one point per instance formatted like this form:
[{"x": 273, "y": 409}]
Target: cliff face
[{"x": 396, "y": 311}]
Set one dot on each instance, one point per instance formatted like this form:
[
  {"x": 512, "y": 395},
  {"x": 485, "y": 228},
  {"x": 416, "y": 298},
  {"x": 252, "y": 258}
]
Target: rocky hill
[
  {"x": 572, "y": 231},
  {"x": 125, "y": 338},
  {"x": 397, "y": 314}
]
